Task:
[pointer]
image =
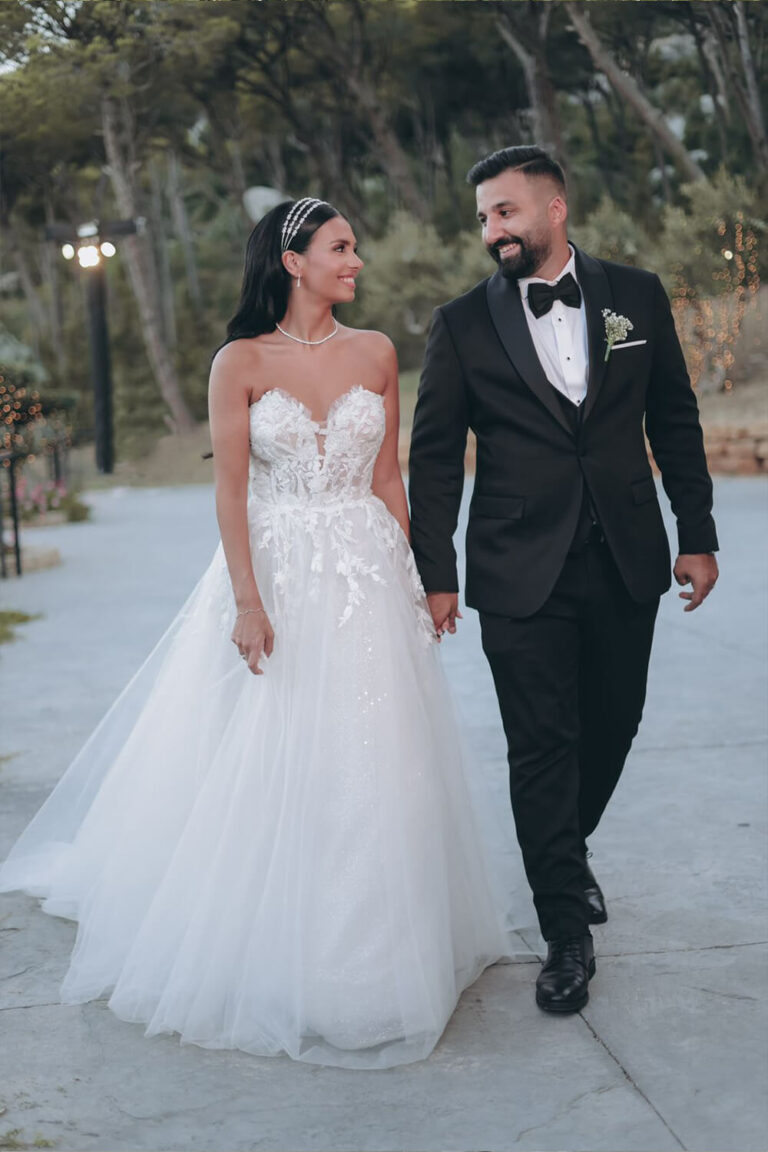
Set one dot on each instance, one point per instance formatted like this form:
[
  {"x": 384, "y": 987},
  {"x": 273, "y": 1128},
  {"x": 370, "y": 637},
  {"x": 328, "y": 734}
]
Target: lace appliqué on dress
[{"x": 309, "y": 486}]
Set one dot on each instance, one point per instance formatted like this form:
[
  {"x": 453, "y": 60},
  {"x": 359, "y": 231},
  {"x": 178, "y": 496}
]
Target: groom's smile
[{"x": 518, "y": 257}]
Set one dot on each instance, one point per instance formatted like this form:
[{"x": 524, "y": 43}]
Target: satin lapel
[
  {"x": 597, "y": 295},
  {"x": 506, "y": 309}
]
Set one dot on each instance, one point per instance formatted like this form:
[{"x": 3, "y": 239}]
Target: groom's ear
[{"x": 557, "y": 210}]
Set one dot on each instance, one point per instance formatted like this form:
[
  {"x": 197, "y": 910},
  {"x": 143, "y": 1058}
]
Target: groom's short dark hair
[{"x": 529, "y": 159}]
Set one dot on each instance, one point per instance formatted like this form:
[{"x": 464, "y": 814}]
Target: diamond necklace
[{"x": 299, "y": 340}]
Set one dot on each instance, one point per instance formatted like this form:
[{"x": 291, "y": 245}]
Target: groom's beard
[{"x": 531, "y": 254}]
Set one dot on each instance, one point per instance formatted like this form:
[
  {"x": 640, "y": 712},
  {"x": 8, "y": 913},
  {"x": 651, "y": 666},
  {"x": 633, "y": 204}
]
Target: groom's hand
[
  {"x": 699, "y": 570},
  {"x": 444, "y": 607}
]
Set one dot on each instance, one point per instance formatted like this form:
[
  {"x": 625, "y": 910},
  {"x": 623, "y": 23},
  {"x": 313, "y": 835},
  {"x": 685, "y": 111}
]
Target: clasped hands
[{"x": 444, "y": 607}]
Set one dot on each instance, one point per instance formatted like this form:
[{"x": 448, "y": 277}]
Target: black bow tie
[{"x": 541, "y": 297}]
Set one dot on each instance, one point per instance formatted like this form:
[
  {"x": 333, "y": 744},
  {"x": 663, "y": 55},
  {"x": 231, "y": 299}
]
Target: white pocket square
[{"x": 627, "y": 344}]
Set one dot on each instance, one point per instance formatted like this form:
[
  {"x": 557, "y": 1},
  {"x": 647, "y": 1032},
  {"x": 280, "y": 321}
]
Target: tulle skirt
[{"x": 281, "y": 863}]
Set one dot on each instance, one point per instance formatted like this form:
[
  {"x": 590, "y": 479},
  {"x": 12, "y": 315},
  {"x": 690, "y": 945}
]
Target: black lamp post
[{"x": 90, "y": 242}]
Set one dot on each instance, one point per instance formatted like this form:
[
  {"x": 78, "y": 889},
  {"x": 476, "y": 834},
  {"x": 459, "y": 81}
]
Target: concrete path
[{"x": 672, "y": 1050}]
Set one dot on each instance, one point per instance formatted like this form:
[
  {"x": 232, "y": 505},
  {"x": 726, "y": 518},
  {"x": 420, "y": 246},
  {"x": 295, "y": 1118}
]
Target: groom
[{"x": 555, "y": 362}]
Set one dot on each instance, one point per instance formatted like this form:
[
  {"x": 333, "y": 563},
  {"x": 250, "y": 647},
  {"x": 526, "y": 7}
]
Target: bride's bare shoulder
[
  {"x": 236, "y": 354},
  {"x": 370, "y": 342},
  {"x": 237, "y": 365}
]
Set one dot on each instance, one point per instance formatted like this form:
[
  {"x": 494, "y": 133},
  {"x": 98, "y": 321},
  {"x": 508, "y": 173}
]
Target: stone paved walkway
[{"x": 670, "y": 1053}]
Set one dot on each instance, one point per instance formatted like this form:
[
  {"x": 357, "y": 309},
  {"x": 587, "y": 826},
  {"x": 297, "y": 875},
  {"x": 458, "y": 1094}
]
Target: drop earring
[{"x": 298, "y": 281}]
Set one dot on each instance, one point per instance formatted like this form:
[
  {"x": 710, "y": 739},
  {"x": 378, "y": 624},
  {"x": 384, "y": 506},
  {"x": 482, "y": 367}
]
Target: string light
[{"x": 709, "y": 326}]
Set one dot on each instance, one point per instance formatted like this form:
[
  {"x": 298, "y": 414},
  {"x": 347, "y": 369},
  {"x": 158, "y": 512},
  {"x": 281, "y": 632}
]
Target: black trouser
[{"x": 571, "y": 687}]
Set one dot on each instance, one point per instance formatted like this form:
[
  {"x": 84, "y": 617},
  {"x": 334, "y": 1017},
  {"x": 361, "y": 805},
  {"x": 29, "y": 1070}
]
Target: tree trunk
[
  {"x": 50, "y": 266},
  {"x": 712, "y": 49},
  {"x": 427, "y": 144},
  {"x": 724, "y": 23},
  {"x": 162, "y": 259},
  {"x": 606, "y": 171},
  {"x": 35, "y": 305},
  {"x": 227, "y": 158},
  {"x": 666, "y": 191},
  {"x": 324, "y": 156},
  {"x": 755, "y": 118},
  {"x": 183, "y": 232},
  {"x": 710, "y": 83},
  {"x": 627, "y": 87},
  {"x": 392, "y": 158},
  {"x": 531, "y": 51},
  {"x": 274, "y": 161},
  {"x": 238, "y": 169},
  {"x": 141, "y": 272},
  {"x": 354, "y": 78}
]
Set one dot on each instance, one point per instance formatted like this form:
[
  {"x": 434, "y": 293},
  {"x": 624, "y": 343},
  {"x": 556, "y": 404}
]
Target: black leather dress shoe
[
  {"x": 563, "y": 983},
  {"x": 598, "y": 914}
]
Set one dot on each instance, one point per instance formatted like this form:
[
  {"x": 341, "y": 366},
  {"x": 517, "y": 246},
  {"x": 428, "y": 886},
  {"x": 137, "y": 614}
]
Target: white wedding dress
[{"x": 288, "y": 862}]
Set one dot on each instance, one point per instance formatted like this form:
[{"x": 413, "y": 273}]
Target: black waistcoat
[{"x": 574, "y": 414}]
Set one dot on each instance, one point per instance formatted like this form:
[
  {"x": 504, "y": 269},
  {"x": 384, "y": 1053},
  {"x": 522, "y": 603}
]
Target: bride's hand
[
  {"x": 444, "y": 607},
  {"x": 253, "y": 636}
]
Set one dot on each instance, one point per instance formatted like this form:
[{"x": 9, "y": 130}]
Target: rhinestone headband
[{"x": 296, "y": 217}]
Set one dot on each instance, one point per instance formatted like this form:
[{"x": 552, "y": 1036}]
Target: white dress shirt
[{"x": 560, "y": 338}]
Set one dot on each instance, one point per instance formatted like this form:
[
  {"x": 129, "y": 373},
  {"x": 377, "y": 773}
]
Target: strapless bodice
[{"x": 297, "y": 458}]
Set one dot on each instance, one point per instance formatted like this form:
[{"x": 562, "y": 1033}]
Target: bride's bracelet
[{"x": 245, "y": 611}]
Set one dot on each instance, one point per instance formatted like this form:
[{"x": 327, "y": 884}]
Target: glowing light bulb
[
  {"x": 68, "y": 251},
  {"x": 88, "y": 256}
]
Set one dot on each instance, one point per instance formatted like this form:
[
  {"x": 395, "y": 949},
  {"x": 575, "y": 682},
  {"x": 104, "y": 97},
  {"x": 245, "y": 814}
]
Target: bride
[{"x": 269, "y": 841}]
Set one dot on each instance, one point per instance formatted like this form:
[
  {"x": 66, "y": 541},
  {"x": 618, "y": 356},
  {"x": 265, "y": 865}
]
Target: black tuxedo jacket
[{"x": 481, "y": 371}]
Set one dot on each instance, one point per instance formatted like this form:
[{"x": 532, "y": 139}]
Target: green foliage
[
  {"x": 377, "y": 107},
  {"x": 9, "y": 621},
  {"x": 11, "y": 1141},
  {"x": 16, "y": 356},
  {"x": 714, "y": 219},
  {"x": 689, "y": 247},
  {"x": 410, "y": 270},
  {"x": 76, "y": 510},
  {"x": 612, "y": 234}
]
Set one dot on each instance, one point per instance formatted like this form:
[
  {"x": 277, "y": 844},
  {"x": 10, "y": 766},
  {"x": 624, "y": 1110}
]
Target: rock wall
[{"x": 736, "y": 451}]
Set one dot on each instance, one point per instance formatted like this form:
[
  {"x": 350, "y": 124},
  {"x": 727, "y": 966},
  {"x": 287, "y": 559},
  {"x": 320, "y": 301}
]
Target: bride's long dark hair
[{"x": 266, "y": 284}]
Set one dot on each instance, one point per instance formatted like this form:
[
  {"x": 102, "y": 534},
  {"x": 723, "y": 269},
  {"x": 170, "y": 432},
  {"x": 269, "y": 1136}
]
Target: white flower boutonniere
[{"x": 616, "y": 328}]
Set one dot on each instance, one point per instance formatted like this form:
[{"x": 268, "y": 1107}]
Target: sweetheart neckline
[{"x": 304, "y": 407}]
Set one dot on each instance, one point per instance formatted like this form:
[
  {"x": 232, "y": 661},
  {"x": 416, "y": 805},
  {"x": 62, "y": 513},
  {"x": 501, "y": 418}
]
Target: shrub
[
  {"x": 409, "y": 271},
  {"x": 706, "y": 253},
  {"x": 35, "y": 500}
]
